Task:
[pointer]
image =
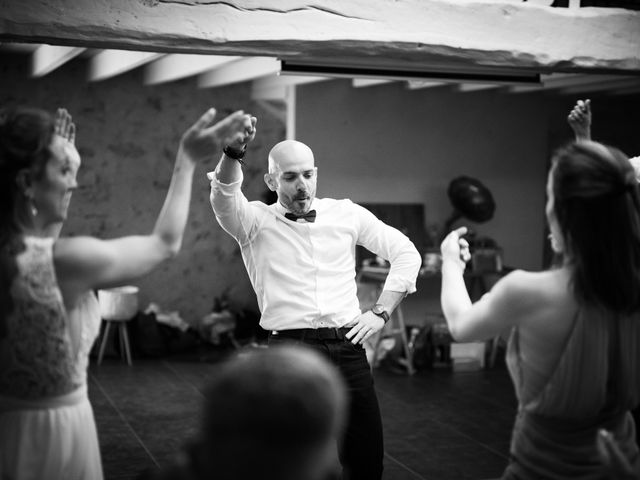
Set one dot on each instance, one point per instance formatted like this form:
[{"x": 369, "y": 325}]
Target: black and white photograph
[{"x": 319, "y": 240}]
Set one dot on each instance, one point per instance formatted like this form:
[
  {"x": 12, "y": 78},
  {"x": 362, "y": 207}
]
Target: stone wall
[{"x": 128, "y": 136}]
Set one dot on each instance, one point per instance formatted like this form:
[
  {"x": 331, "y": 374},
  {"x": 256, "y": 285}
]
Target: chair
[{"x": 118, "y": 306}]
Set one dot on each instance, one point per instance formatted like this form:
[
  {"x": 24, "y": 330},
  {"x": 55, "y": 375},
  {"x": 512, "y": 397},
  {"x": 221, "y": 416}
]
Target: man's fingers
[
  {"x": 72, "y": 133},
  {"x": 246, "y": 121},
  {"x": 359, "y": 337},
  {"x": 356, "y": 328},
  {"x": 367, "y": 336}
]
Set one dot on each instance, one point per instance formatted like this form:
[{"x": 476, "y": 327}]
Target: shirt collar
[{"x": 282, "y": 210}]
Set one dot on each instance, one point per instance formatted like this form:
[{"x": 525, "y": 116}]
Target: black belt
[{"x": 312, "y": 333}]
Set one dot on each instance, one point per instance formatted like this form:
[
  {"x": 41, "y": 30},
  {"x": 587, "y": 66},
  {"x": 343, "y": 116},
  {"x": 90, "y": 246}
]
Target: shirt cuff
[
  {"x": 224, "y": 188},
  {"x": 397, "y": 283}
]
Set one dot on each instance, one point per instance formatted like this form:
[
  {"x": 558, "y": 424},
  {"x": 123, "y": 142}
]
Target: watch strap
[
  {"x": 382, "y": 313},
  {"x": 235, "y": 154}
]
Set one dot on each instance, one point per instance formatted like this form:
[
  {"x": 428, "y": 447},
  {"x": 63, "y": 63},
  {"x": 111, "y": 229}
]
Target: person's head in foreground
[
  {"x": 271, "y": 414},
  {"x": 593, "y": 211},
  {"x": 292, "y": 175}
]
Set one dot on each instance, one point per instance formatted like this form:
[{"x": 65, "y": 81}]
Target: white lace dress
[{"x": 47, "y": 428}]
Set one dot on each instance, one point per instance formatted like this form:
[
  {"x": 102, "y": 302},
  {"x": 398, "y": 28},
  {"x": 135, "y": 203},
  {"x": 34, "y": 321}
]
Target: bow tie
[{"x": 310, "y": 216}]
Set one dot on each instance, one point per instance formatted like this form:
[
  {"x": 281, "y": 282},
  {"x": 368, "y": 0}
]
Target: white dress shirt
[{"x": 304, "y": 273}]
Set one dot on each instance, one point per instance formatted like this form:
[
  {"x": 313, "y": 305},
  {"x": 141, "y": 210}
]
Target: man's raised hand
[
  {"x": 580, "y": 120},
  {"x": 205, "y": 138}
]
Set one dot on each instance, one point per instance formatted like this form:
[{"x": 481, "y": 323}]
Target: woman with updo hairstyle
[
  {"x": 574, "y": 351},
  {"x": 49, "y": 315}
]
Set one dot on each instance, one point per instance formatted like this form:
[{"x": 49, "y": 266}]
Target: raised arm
[
  {"x": 227, "y": 201},
  {"x": 228, "y": 169},
  {"x": 86, "y": 263},
  {"x": 497, "y": 310},
  {"x": 580, "y": 120}
]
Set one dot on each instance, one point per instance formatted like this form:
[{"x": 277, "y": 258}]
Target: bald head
[
  {"x": 290, "y": 154},
  {"x": 292, "y": 175}
]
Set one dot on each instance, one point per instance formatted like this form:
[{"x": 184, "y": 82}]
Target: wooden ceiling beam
[
  {"x": 177, "y": 66},
  {"x": 239, "y": 71},
  {"x": 275, "y": 87},
  {"x": 368, "y": 82},
  {"x": 412, "y": 33},
  {"x": 46, "y": 58},
  {"x": 420, "y": 84},
  {"x": 109, "y": 63}
]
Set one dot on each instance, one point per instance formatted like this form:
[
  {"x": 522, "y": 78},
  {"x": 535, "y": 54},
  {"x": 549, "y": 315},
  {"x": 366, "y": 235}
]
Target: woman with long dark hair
[
  {"x": 49, "y": 316},
  {"x": 574, "y": 351}
]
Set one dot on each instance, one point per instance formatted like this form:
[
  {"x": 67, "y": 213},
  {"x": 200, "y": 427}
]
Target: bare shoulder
[{"x": 531, "y": 289}]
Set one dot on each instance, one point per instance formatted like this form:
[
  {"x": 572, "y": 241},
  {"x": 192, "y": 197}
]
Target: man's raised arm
[{"x": 229, "y": 204}]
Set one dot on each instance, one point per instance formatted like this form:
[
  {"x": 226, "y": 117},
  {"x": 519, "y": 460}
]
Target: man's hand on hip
[{"x": 367, "y": 324}]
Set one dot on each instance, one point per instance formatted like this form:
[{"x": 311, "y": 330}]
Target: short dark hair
[
  {"x": 597, "y": 204},
  {"x": 268, "y": 410}
]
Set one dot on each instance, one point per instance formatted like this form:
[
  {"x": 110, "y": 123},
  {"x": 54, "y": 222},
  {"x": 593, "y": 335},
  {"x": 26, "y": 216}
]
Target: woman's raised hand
[
  {"x": 580, "y": 119},
  {"x": 205, "y": 138},
  {"x": 64, "y": 126},
  {"x": 455, "y": 249}
]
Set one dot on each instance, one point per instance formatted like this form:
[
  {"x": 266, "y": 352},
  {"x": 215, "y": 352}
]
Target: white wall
[{"x": 389, "y": 144}]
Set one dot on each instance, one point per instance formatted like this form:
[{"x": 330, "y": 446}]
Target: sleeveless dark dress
[{"x": 594, "y": 385}]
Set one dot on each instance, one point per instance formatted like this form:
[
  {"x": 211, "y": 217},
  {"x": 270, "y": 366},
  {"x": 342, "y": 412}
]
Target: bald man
[{"x": 300, "y": 256}]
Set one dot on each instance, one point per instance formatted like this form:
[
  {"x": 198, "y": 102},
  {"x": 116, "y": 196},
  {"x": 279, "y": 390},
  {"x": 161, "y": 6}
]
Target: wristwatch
[
  {"x": 378, "y": 309},
  {"x": 235, "y": 154}
]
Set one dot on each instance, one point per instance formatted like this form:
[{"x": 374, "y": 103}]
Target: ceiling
[{"x": 271, "y": 78}]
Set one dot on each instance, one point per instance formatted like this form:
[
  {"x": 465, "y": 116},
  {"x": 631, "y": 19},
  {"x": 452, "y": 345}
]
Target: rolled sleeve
[
  {"x": 404, "y": 271},
  {"x": 392, "y": 245},
  {"x": 231, "y": 208}
]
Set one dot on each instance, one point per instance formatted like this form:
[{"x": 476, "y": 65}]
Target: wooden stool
[
  {"x": 125, "y": 348},
  {"x": 395, "y": 325},
  {"x": 118, "y": 306}
]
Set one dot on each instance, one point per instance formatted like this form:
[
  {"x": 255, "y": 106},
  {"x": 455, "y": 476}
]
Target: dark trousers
[{"x": 361, "y": 448}]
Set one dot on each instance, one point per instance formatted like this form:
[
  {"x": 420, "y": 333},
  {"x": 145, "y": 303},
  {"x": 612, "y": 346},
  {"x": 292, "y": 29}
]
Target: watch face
[{"x": 377, "y": 309}]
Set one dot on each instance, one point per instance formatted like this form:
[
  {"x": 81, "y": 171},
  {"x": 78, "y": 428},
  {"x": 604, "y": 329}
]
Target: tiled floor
[{"x": 438, "y": 424}]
